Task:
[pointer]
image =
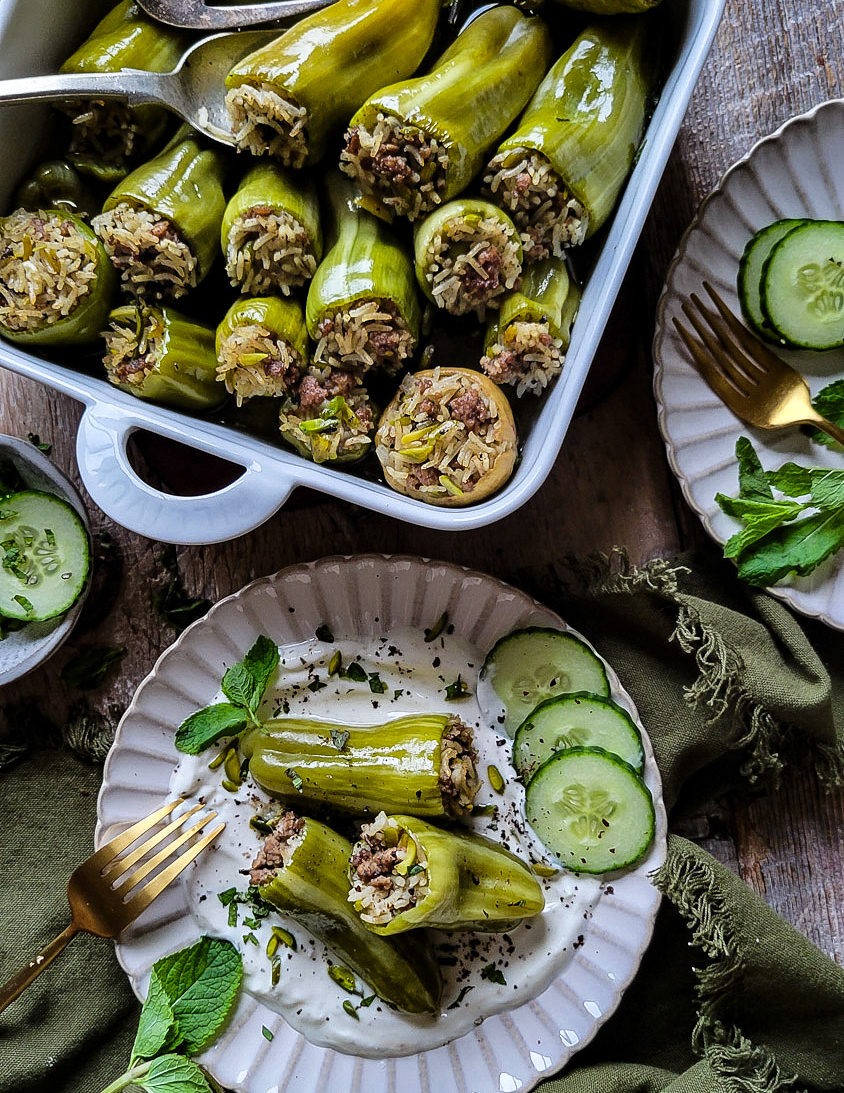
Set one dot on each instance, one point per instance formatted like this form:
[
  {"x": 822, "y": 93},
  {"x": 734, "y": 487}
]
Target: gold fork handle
[
  {"x": 835, "y": 431},
  {"x": 18, "y": 983}
]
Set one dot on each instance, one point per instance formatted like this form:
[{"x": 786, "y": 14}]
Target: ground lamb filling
[
  {"x": 328, "y": 415},
  {"x": 459, "y": 782},
  {"x": 443, "y": 437},
  {"x": 133, "y": 350},
  {"x": 469, "y": 265},
  {"x": 153, "y": 258},
  {"x": 527, "y": 356},
  {"x": 46, "y": 267},
  {"x": 106, "y": 132},
  {"x": 382, "y": 885},
  {"x": 397, "y": 163},
  {"x": 549, "y": 219},
  {"x": 266, "y": 122},
  {"x": 364, "y": 335},
  {"x": 255, "y": 362},
  {"x": 269, "y": 250},
  {"x": 277, "y": 848}
]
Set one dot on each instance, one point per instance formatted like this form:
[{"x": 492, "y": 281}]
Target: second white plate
[{"x": 792, "y": 173}]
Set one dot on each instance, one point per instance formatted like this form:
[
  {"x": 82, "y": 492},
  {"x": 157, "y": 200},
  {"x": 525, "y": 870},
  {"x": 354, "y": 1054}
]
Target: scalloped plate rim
[{"x": 659, "y": 849}]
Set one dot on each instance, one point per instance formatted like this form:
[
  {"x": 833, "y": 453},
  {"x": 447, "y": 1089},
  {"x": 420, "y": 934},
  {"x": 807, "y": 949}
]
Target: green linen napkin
[{"x": 728, "y": 998}]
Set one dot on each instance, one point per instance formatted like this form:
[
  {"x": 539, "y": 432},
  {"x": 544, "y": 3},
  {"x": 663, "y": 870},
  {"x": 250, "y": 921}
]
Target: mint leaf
[
  {"x": 829, "y": 402},
  {"x": 760, "y": 517},
  {"x": 200, "y": 983},
  {"x": 245, "y": 682},
  {"x": 794, "y": 548},
  {"x": 753, "y": 483},
  {"x": 493, "y": 975},
  {"x": 173, "y": 1074},
  {"x": 88, "y": 669},
  {"x": 828, "y": 489},
  {"x": 791, "y": 479},
  {"x": 157, "y": 1027},
  {"x": 206, "y": 727}
]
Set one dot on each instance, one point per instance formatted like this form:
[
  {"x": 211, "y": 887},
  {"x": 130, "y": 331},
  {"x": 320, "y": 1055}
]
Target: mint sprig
[
  {"x": 189, "y": 998},
  {"x": 244, "y": 685}
]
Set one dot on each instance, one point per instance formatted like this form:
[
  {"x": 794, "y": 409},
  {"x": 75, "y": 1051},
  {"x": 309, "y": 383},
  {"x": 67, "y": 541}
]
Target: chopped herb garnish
[
  {"x": 25, "y": 603},
  {"x": 251, "y": 923},
  {"x": 414, "y": 869},
  {"x": 226, "y": 897},
  {"x": 354, "y": 672},
  {"x": 493, "y": 975},
  {"x": 316, "y": 685},
  {"x": 461, "y": 996},
  {"x": 339, "y": 738},
  {"x": 41, "y": 445},
  {"x": 49, "y": 535},
  {"x": 251, "y": 939},
  {"x": 350, "y": 1009},
  {"x": 266, "y": 1033},
  {"x": 457, "y": 689},
  {"x": 323, "y": 633},
  {"x": 376, "y": 684},
  {"x": 232, "y": 914},
  {"x": 365, "y": 1002},
  {"x": 88, "y": 669},
  {"x": 295, "y": 778},
  {"x": 397, "y": 693},
  {"x": 343, "y": 978},
  {"x": 275, "y": 972},
  {"x": 437, "y": 628},
  {"x": 171, "y": 602}
]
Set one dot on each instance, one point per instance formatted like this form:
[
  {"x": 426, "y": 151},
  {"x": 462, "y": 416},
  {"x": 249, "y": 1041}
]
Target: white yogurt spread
[{"x": 528, "y": 958}]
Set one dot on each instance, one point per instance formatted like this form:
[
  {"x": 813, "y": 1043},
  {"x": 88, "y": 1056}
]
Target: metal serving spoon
[
  {"x": 198, "y": 15},
  {"x": 195, "y": 89}
]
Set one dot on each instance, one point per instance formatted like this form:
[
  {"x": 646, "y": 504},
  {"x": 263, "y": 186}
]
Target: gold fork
[
  {"x": 100, "y": 891},
  {"x": 749, "y": 378}
]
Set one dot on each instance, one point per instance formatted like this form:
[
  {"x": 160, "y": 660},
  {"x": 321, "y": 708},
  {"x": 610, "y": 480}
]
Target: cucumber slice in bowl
[
  {"x": 577, "y": 720},
  {"x": 803, "y": 286},
  {"x": 530, "y": 666},
  {"x": 45, "y": 556},
  {"x": 756, "y": 253},
  {"x": 591, "y": 810}
]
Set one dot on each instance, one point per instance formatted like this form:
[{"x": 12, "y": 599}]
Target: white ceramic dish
[
  {"x": 270, "y": 473},
  {"x": 24, "y": 649},
  {"x": 792, "y": 173},
  {"x": 368, "y": 595}
]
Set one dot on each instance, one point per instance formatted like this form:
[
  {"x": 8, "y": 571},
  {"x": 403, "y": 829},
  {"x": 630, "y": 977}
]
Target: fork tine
[
  {"x": 709, "y": 337},
  {"x": 728, "y": 354},
  {"x": 763, "y": 359},
  {"x": 124, "y": 864},
  {"x": 141, "y": 900},
  {"x": 120, "y": 842},
  {"x": 150, "y": 866},
  {"x": 706, "y": 367}
]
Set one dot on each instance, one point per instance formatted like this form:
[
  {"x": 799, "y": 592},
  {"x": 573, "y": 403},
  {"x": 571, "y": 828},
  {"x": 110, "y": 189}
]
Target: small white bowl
[{"x": 25, "y": 649}]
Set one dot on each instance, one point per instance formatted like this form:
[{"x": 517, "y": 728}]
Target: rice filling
[
  {"x": 387, "y": 872},
  {"x": 364, "y": 335},
  {"x": 47, "y": 267},
  {"x": 459, "y": 782},
  {"x": 328, "y": 416},
  {"x": 148, "y": 249},
  {"x": 468, "y": 265},
  {"x": 266, "y": 122},
  {"x": 133, "y": 350},
  {"x": 526, "y": 356},
  {"x": 277, "y": 849},
  {"x": 105, "y": 132},
  {"x": 268, "y": 250},
  {"x": 253, "y": 361},
  {"x": 549, "y": 218},
  {"x": 400, "y": 164}
]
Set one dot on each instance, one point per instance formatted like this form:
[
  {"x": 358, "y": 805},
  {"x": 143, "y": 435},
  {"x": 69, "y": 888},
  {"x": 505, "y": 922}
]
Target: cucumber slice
[
  {"x": 45, "y": 556},
  {"x": 756, "y": 253},
  {"x": 803, "y": 286},
  {"x": 579, "y": 720},
  {"x": 529, "y": 666},
  {"x": 591, "y": 810}
]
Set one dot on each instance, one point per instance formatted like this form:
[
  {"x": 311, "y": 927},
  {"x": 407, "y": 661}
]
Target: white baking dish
[{"x": 34, "y": 36}]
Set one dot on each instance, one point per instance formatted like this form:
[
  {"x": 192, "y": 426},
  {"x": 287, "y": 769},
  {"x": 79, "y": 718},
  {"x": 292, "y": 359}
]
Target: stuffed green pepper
[
  {"x": 362, "y": 311},
  {"x": 609, "y": 7},
  {"x": 109, "y": 136},
  {"x": 416, "y": 144},
  {"x": 161, "y": 224},
  {"x": 447, "y": 438},
  {"x": 289, "y": 97},
  {"x": 53, "y": 184},
  {"x": 302, "y": 871},
  {"x": 561, "y": 172},
  {"x": 424, "y": 764},
  {"x": 271, "y": 233},
  {"x": 527, "y": 339},
  {"x": 262, "y": 347},
  {"x": 328, "y": 417},
  {"x": 468, "y": 254},
  {"x": 158, "y": 354},
  {"x": 405, "y": 873},
  {"x": 56, "y": 282}
]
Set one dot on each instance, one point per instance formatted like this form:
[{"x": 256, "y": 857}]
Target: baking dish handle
[{"x": 116, "y": 488}]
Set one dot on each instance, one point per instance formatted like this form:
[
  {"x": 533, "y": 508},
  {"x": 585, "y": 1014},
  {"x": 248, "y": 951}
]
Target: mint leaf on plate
[
  {"x": 157, "y": 1027},
  {"x": 793, "y": 548},
  {"x": 206, "y": 727},
  {"x": 245, "y": 682},
  {"x": 829, "y": 402},
  {"x": 753, "y": 482},
  {"x": 173, "y": 1074}
]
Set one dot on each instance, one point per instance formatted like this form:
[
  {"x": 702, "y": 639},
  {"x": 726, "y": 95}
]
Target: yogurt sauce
[{"x": 528, "y": 958}]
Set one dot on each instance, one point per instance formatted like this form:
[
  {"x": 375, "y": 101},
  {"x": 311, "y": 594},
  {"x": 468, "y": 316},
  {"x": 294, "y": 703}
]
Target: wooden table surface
[{"x": 770, "y": 60}]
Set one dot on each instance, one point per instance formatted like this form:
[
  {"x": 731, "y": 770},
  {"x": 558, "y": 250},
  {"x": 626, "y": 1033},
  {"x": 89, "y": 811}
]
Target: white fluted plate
[
  {"x": 367, "y": 596},
  {"x": 795, "y": 172}
]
